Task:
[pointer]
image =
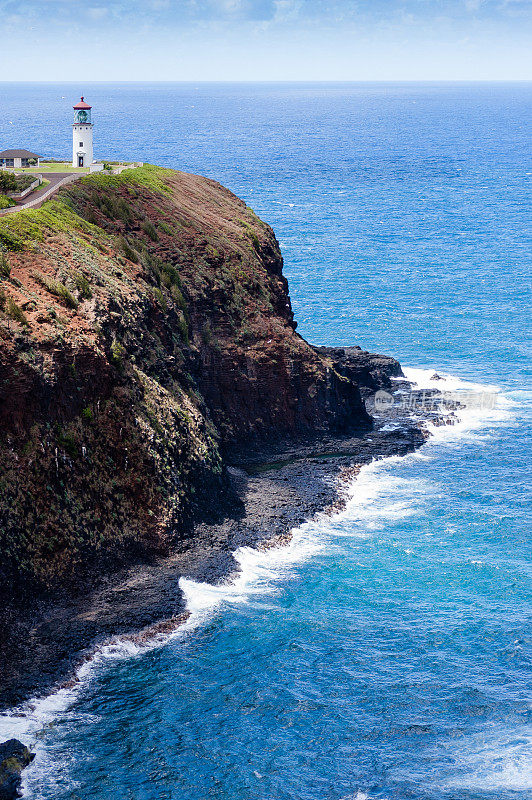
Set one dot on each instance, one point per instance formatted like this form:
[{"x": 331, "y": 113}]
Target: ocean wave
[
  {"x": 29, "y": 721},
  {"x": 259, "y": 571},
  {"x": 494, "y": 762},
  {"x": 357, "y": 796},
  {"x": 484, "y": 406},
  {"x": 378, "y": 495}
]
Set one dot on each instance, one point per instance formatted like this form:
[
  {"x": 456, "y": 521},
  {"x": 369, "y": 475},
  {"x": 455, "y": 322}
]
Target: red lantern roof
[{"x": 82, "y": 105}]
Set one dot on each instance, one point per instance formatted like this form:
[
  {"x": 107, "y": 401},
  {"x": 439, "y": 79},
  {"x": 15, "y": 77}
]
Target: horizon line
[{"x": 284, "y": 81}]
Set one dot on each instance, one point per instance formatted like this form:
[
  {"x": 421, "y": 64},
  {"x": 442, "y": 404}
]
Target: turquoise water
[{"x": 386, "y": 654}]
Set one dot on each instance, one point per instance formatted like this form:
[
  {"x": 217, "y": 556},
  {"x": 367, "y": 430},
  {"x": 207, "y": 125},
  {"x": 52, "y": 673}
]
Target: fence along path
[
  {"x": 53, "y": 189},
  {"x": 46, "y": 196}
]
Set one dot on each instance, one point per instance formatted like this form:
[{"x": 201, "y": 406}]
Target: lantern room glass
[{"x": 83, "y": 115}]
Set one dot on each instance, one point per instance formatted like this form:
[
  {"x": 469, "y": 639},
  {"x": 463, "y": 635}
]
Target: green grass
[
  {"x": 20, "y": 229},
  {"x": 7, "y": 202},
  {"x": 63, "y": 166},
  {"x": 83, "y": 285},
  {"x": 118, "y": 352},
  {"x": 56, "y": 166},
  {"x": 5, "y": 268},
  {"x": 148, "y": 176},
  {"x": 23, "y": 227}
]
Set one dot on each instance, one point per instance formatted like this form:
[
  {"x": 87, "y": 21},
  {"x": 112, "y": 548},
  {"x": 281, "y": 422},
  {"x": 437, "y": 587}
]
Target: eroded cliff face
[{"x": 146, "y": 332}]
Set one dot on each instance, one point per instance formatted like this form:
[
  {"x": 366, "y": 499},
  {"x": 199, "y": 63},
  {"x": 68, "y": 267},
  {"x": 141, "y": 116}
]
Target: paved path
[{"x": 37, "y": 198}]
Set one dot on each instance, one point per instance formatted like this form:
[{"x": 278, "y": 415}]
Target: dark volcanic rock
[
  {"x": 369, "y": 371},
  {"x": 278, "y": 486},
  {"x": 14, "y": 757}
]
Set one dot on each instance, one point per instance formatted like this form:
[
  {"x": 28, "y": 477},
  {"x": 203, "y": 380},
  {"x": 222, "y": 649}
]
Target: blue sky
[{"x": 266, "y": 40}]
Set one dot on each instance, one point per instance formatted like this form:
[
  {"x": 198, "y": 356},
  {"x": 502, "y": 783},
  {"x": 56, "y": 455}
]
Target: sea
[{"x": 386, "y": 652}]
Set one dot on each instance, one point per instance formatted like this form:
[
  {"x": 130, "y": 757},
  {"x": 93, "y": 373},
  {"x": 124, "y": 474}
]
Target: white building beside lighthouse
[{"x": 82, "y": 153}]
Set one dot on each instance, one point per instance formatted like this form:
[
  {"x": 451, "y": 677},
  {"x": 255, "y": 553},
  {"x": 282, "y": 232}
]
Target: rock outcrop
[
  {"x": 14, "y": 757},
  {"x": 369, "y": 371}
]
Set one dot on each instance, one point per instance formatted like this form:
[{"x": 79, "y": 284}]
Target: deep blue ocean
[{"x": 386, "y": 654}]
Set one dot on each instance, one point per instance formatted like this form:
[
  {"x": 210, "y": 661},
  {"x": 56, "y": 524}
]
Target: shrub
[
  {"x": 183, "y": 328},
  {"x": 5, "y": 268},
  {"x": 87, "y": 414},
  {"x": 23, "y": 182},
  {"x": 128, "y": 251},
  {"x": 122, "y": 209},
  {"x": 178, "y": 298},
  {"x": 83, "y": 285},
  {"x": 14, "y": 183},
  {"x": 15, "y": 312},
  {"x": 161, "y": 299},
  {"x": 10, "y": 240},
  {"x": 57, "y": 288},
  {"x": 255, "y": 241},
  {"x": 149, "y": 230},
  {"x": 170, "y": 274},
  {"x": 115, "y": 207},
  {"x": 8, "y": 182},
  {"x": 6, "y": 202},
  {"x": 68, "y": 443},
  {"x": 118, "y": 352},
  {"x": 2, "y": 299}
]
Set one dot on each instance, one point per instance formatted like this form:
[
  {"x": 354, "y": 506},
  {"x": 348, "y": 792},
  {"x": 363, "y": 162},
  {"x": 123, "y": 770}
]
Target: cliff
[{"x": 146, "y": 336}]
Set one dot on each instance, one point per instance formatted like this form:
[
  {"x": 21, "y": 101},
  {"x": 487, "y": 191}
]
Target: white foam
[
  {"x": 27, "y": 722},
  {"x": 423, "y": 379},
  {"x": 483, "y": 406},
  {"x": 358, "y": 796},
  {"x": 495, "y": 762},
  {"x": 258, "y": 574},
  {"x": 377, "y": 495}
]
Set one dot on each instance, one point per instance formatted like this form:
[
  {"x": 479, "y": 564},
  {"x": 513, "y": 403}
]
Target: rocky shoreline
[{"x": 278, "y": 488}]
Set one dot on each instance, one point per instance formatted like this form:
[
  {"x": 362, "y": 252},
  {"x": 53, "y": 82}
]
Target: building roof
[
  {"x": 81, "y": 105},
  {"x": 18, "y": 154}
]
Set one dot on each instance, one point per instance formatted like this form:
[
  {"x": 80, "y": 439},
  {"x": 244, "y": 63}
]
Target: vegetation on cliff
[{"x": 146, "y": 331}]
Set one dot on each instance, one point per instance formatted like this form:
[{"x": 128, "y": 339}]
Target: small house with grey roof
[{"x": 18, "y": 159}]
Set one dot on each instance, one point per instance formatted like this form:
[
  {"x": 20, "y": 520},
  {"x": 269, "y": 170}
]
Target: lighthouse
[{"x": 82, "y": 155}]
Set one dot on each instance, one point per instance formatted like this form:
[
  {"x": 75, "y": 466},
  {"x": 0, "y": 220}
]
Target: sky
[{"x": 250, "y": 40}]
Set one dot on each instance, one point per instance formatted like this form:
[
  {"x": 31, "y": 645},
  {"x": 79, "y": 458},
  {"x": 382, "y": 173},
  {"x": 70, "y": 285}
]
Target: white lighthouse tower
[{"x": 82, "y": 155}]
